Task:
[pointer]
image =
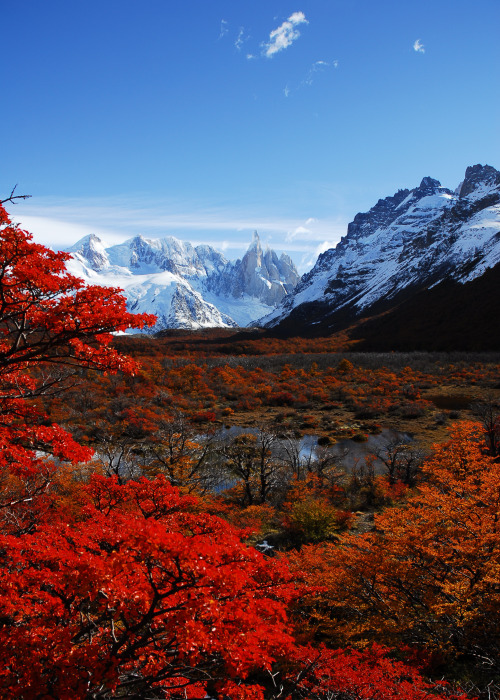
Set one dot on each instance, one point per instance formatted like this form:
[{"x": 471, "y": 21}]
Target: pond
[{"x": 348, "y": 453}]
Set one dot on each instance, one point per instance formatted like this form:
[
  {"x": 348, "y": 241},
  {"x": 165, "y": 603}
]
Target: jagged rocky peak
[
  {"x": 92, "y": 251},
  {"x": 188, "y": 309},
  {"x": 288, "y": 271},
  {"x": 384, "y": 211},
  {"x": 264, "y": 275},
  {"x": 142, "y": 251},
  {"x": 389, "y": 209},
  {"x": 169, "y": 254},
  {"x": 253, "y": 257},
  {"x": 478, "y": 177},
  {"x": 255, "y": 242},
  {"x": 213, "y": 261},
  {"x": 271, "y": 264},
  {"x": 163, "y": 252},
  {"x": 429, "y": 185},
  {"x": 280, "y": 269}
]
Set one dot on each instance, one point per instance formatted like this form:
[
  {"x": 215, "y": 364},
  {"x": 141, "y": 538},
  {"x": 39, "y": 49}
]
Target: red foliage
[
  {"x": 131, "y": 590},
  {"x": 47, "y": 318},
  {"x": 127, "y": 588},
  {"x": 48, "y": 315},
  {"x": 138, "y": 592},
  {"x": 321, "y": 674}
]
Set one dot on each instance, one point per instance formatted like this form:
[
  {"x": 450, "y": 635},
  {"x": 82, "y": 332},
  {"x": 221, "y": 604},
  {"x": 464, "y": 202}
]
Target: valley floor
[{"x": 400, "y": 550}]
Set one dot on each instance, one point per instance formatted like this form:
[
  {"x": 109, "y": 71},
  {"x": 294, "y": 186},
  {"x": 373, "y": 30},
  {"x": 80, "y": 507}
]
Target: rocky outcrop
[
  {"x": 263, "y": 275},
  {"x": 91, "y": 251},
  {"x": 477, "y": 179}
]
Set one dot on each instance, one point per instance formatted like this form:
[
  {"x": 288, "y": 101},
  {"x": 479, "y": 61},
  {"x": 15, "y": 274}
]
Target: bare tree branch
[{"x": 12, "y": 196}]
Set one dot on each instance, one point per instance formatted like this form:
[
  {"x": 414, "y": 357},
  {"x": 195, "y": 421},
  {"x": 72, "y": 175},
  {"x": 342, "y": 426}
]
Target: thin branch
[{"x": 12, "y": 196}]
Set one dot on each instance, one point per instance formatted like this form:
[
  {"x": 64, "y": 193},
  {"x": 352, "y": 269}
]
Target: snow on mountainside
[
  {"x": 405, "y": 243},
  {"x": 186, "y": 286}
]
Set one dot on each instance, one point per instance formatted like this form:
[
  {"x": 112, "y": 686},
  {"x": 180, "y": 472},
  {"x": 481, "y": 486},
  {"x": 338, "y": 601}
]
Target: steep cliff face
[
  {"x": 91, "y": 251},
  {"x": 405, "y": 243},
  {"x": 263, "y": 275},
  {"x": 186, "y": 286}
]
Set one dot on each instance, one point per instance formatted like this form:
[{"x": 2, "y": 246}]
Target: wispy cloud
[
  {"x": 311, "y": 233},
  {"x": 240, "y": 39},
  {"x": 223, "y": 28},
  {"x": 317, "y": 67},
  {"x": 60, "y": 223},
  {"x": 313, "y": 72},
  {"x": 418, "y": 46},
  {"x": 308, "y": 259},
  {"x": 284, "y": 35}
]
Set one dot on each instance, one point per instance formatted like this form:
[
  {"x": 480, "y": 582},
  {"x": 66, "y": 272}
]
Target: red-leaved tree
[
  {"x": 51, "y": 326},
  {"x": 136, "y": 596}
]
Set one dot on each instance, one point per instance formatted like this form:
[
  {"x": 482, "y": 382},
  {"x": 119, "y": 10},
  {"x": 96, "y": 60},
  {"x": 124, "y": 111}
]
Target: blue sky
[{"x": 207, "y": 119}]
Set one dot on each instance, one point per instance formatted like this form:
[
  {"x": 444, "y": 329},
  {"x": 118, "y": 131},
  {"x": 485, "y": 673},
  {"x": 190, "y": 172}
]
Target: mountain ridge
[
  {"x": 186, "y": 286},
  {"x": 405, "y": 243}
]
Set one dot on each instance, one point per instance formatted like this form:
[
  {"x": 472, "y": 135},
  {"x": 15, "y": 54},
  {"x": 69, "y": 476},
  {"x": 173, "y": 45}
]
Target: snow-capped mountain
[
  {"x": 405, "y": 243},
  {"x": 186, "y": 286}
]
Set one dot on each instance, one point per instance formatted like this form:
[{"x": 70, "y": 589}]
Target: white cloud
[
  {"x": 250, "y": 56},
  {"x": 240, "y": 39},
  {"x": 309, "y": 258},
  {"x": 297, "y": 18},
  {"x": 284, "y": 35},
  {"x": 418, "y": 46},
  {"x": 313, "y": 230},
  {"x": 286, "y": 91},
  {"x": 300, "y": 231},
  {"x": 223, "y": 28},
  {"x": 326, "y": 245}
]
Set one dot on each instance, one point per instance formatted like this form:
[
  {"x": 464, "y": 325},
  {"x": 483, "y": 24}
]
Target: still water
[{"x": 348, "y": 453}]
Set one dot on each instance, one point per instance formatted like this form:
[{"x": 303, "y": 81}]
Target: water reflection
[{"x": 347, "y": 453}]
